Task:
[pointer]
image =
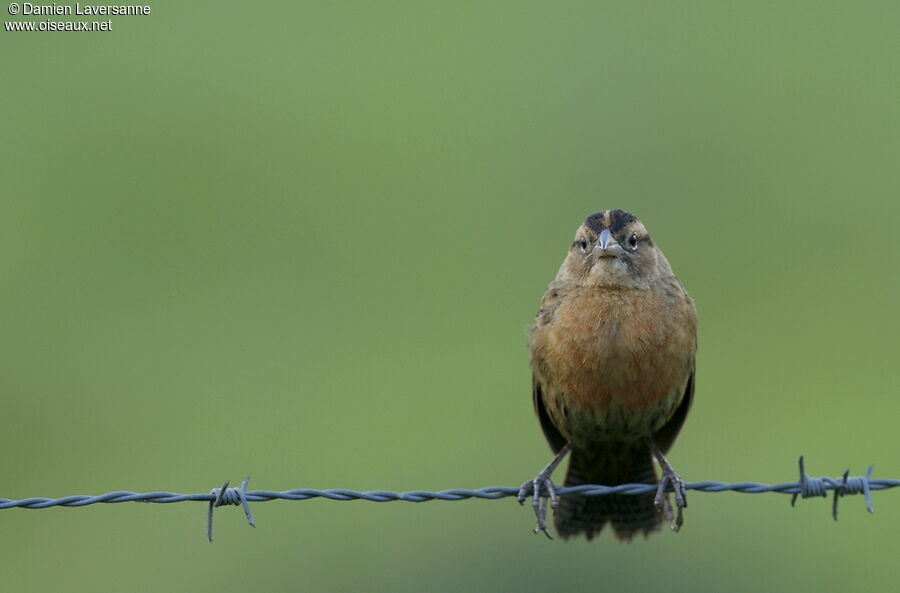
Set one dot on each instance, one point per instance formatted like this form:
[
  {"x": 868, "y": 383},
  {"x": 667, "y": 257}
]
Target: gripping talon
[
  {"x": 669, "y": 478},
  {"x": 541, "y": 488},
  {"x": 541, "y": 514}
]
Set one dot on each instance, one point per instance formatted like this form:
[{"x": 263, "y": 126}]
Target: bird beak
[{"x": 607, "y": 246}]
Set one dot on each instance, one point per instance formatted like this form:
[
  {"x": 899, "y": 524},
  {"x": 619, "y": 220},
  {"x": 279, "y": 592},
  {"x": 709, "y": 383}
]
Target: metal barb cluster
[
  {"x": 805, "y": 487},
  {"x": 226, "y": 495},
  {"x": 810, "y": 486}
]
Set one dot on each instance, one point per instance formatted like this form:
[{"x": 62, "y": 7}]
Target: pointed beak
[
  {"x": 605, "y": 239},
  {"x": 607, "y": 246}
]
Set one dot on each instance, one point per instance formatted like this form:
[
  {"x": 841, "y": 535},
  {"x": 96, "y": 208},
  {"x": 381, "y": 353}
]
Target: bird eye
[
  {"x": 584, "y": 245},
  {"x": 633, "y": 241}
]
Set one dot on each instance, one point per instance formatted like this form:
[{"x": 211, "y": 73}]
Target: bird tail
[{"x": 628, "y": 514}]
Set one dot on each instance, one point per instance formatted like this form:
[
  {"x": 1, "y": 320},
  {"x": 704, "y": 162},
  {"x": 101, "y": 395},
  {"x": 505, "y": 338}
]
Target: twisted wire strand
[
  {"x": 805, "y": 487},
  {"x": 488, "y": 492}
]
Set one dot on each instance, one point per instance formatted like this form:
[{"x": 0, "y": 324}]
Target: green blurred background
[{"x": 303, "y": 241}]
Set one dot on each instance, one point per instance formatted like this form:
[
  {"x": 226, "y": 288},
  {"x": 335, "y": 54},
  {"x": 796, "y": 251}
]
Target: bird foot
[
  {"x": 670, "y": 478},
  {"x": 540, "y": 489},
  {"x": 542, "y": 482}
]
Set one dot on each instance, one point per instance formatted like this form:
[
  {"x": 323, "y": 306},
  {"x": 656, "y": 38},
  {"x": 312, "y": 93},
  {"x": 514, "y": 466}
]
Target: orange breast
[{"x": 615, "y": 361}]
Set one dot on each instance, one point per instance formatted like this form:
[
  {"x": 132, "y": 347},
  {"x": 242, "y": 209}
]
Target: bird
[{"x": 612, "y": 352}]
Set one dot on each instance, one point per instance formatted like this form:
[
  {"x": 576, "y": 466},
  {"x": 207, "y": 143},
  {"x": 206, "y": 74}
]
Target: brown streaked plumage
[{"x": 612, "y": 354}]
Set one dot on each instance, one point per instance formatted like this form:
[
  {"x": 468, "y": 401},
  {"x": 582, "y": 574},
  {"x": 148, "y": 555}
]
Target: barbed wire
[{"x": 805, "y": 487}]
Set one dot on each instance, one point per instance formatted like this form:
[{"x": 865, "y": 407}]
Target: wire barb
[
  {"x": 226, "y": 495},
  {"x": 809, "y": 486}
]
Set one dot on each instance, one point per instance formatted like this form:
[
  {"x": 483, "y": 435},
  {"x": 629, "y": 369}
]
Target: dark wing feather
[
  {"x": 556, "y": 440},
  {"x": 666, "y": 435}
]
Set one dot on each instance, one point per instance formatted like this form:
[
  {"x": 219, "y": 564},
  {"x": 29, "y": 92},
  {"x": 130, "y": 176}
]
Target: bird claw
[
  {"x": 671, "y": 478},
  {"x": 539, "y": 500}
]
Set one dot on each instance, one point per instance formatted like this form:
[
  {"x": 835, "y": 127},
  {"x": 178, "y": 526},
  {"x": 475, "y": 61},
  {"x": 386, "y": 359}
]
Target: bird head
[{"x": 612, "y": 248}]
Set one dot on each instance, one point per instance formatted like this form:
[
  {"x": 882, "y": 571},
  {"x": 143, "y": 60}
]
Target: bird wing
[
  {"x": 665, "y": 436},
  {"x": 557, "y": 441}
]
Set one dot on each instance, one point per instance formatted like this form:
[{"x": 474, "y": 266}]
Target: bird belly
[
  {"x": 611, "y": 369},
  {"x": 618, "y": 419}
]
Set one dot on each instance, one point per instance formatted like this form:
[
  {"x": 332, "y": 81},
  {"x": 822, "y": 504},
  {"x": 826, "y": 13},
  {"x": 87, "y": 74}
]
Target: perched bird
[{"x": 612, "y": 354}]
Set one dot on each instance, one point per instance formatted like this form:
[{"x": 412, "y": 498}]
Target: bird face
[{"x": 613, "y": 249}]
